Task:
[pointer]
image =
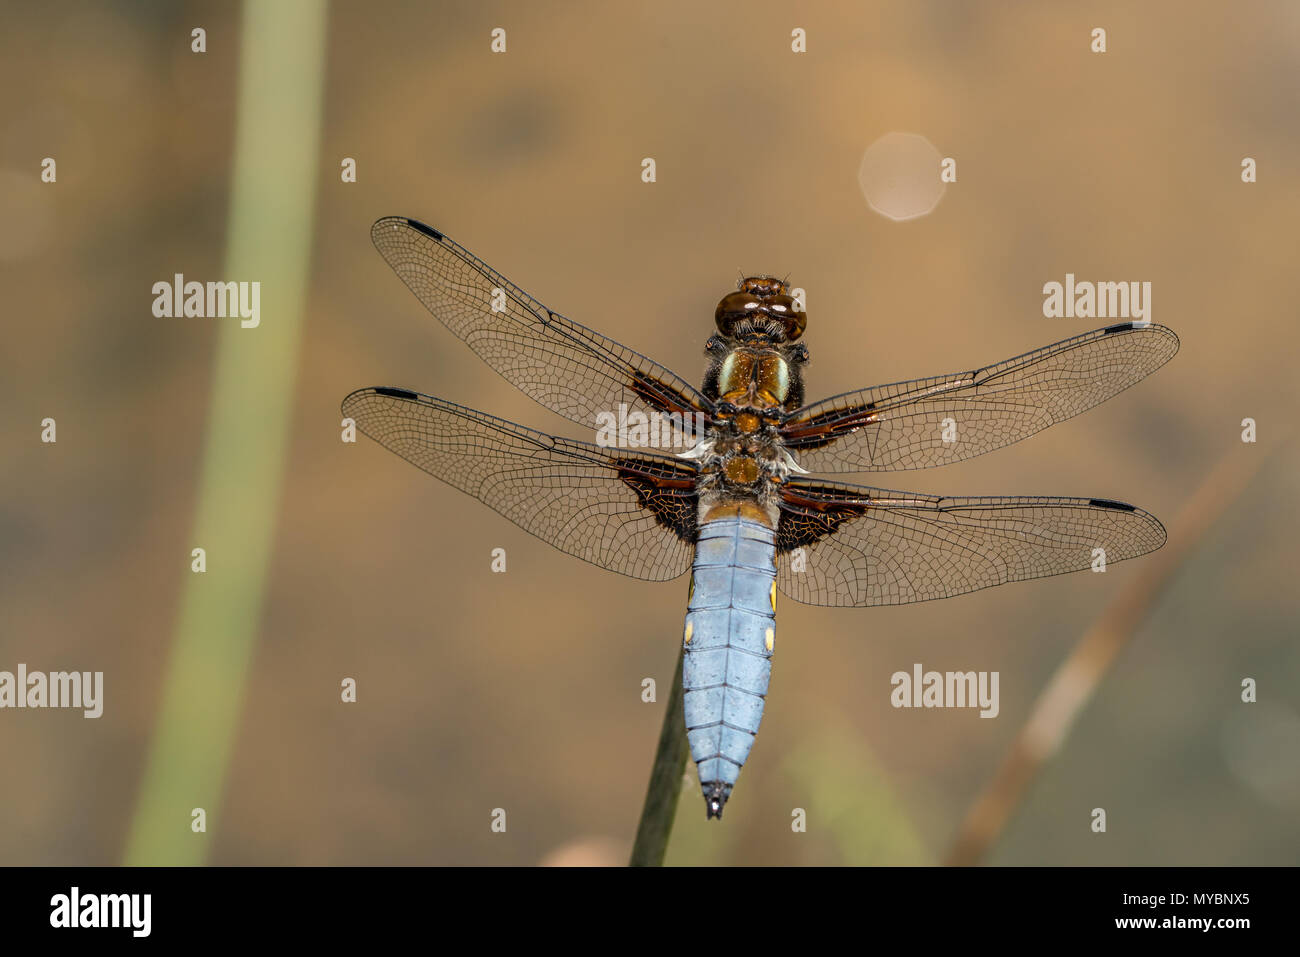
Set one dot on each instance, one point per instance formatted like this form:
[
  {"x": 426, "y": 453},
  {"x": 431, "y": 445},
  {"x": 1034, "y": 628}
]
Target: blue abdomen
[{"x": 728, "y": 641}]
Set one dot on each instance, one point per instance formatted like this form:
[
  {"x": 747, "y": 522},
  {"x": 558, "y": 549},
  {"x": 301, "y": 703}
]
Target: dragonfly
[{"x": 739, "y": 506}]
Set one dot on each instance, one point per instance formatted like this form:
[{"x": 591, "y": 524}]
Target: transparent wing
[
  {"x": 902, "y": 426},
  {"x": 871, "y": 546},
  {"x": 632, "y": 513},
  {"x": 563, "y": 365}
]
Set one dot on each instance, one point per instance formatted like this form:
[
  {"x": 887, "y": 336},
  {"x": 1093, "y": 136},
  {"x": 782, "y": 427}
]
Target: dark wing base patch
[
  {"x": 670, "y": 498},
  {"x": 805, "y": 521}
]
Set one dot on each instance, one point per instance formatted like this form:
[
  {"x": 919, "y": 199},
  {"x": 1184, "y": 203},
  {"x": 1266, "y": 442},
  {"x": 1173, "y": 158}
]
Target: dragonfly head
[{"x": 761, "y": 306}]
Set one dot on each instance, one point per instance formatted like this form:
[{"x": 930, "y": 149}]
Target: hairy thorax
[{"x": 742, "y": 460}]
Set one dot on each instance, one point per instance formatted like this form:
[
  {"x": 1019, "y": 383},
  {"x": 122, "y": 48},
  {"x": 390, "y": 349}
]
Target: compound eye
[
  {"x": 795, "y": 323},
  {"x": 786, "y": 311},
  {"x": 733, "y": 308}
]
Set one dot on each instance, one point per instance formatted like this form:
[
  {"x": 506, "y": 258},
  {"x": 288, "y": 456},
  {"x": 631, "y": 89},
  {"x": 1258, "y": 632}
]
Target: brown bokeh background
[{"x": 522, "y": 690}]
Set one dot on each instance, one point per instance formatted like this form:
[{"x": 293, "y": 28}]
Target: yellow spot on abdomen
[
  {"x": 774, "y": 597},
  {"x": 770, "y": 639},
  {"x": 690, "y": 630}
]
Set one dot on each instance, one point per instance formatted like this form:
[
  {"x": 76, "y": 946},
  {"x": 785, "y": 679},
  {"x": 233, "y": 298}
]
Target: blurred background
[{"x": 522, "y": 690}]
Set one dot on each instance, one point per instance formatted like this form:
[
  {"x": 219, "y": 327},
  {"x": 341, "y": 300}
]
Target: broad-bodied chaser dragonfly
[{"x": 738, "y": 507}]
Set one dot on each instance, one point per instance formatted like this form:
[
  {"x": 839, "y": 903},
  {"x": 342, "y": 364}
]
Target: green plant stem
[
  {"x": 665, "y": 782},
  {"x": 269, "y": 241}
]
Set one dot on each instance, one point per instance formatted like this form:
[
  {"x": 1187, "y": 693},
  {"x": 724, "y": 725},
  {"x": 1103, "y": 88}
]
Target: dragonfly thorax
[{"x": 754, "y": 378}]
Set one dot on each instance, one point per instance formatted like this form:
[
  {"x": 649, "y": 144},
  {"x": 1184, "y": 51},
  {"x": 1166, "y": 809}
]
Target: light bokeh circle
[{"x": 899, "y": 176}]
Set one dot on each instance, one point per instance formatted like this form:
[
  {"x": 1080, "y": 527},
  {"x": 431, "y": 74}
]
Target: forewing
[
  {"x": 563, "y": 365},
  {"x": 632, "y": 513},
  {"x": 868, "y": 546},
  {"x": 944, "y": 419}
]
